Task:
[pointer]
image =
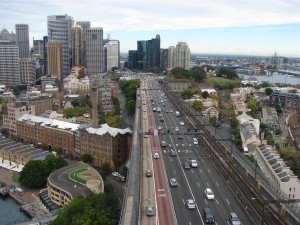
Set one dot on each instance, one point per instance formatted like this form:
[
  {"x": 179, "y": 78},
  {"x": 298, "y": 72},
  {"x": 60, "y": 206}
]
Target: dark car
[
  {"x": 208, "y": 215},
  {"x": 186, "y": 166},
  {"x": 162, "y": 120}
]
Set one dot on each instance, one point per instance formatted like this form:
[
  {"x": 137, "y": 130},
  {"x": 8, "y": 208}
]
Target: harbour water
[
  {"x": 276, "y": 78},
  {"x": 10, "y": 212}
]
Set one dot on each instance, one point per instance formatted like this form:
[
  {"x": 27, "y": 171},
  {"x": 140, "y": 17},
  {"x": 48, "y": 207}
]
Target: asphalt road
[{"x": 193, "y": 182}]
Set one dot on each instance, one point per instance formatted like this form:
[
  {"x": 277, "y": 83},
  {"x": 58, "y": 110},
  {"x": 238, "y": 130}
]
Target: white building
[
  {"x": 112, "y": 54},
  {"x": 179, "y": 56}
]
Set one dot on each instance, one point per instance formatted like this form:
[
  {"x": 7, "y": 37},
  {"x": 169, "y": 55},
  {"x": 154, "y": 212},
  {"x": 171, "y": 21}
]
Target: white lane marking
[
  {"x": 205, "y": 201},
  {"x": 200, "y": 171},
  {"x": 192, "y": 171},
  {"x": 217, "y": 184},
  {"x": 207, "y": 184},
  {"x": 217, "y": 201},
  {"x": 202, "y": 160},
  {"x": 174, "y": 171},
  {"x": 198, "y": 184},
  {"x": 227, "y": 201},
  {"x": 183, "y": 201},
  {"x": 208, "y": 170}
]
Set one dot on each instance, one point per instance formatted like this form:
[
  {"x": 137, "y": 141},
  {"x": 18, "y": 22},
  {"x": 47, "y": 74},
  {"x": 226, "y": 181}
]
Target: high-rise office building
[
  {"x": 179, "y": 56},
  {"x": 38, "y": 49},
  {"x": 163, "y": 58},
  {"x": 27, "y": 71},
  {"x": 132, "y": 59},
  {"x": 94, "y": 50},
  {"x": 111, "y": 54},
  {"x": 55, "y": 59},
  {"x": 171, "y": 57},
  {"x": 84, "y": 25},
  {"x": 45, "y": 66},
  {"x": 77, "y": 45},
  {"x": 9, "y": 64},
  {"x": 59, "y": 30},
  {"x": 141, "y": 52},
  {"x": 22, "y": 40},
  {"x": 6, "y": 36},
  {"x": 153, "y": 53}
]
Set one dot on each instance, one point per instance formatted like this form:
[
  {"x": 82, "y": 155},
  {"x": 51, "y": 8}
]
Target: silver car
[
  {"x": 233, "y": 219},
  {"x": 190, "y": 204},
  {"x": 173, "y": 182},
  {"x": 150, "y": 210}
]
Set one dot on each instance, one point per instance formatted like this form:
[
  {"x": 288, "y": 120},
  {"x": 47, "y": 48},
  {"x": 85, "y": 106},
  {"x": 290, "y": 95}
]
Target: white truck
[{"x": 177, "y": 113}]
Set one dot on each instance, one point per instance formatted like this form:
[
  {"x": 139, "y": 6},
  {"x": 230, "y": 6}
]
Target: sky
[{"x": 235, "y": 27}]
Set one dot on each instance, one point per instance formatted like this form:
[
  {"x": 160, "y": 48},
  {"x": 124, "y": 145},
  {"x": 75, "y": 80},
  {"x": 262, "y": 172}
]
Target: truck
[{"x": 177, "y": 113}]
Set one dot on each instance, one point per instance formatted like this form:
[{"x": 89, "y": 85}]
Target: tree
[
  {"x": 114, "y": 68},
  {"x": 197, "y": 73},
  {"x": 16, "y": 91},
  {"x": 130, "y": 106},
  {"x": 87, "y": 158},
  {"x": 268, "y": 91},
  {"x": 205, "y": 94},
  {"x": 233, "y": 122},
  {"x": 55, "y": 162},
  {"x": 95, "y": 209},
  {"x": 197, "y": 105},
  {"x": 213, "y": 120},
  {"x": 224, "y": 72},
  {"x": 179, "y": 72},
  {"x": 123, "y": 170},
  {"x": 252, "y": 104}
]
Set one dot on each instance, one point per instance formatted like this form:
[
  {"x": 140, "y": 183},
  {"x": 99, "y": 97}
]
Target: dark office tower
[
  {"x": 164, "y": 58},
  {"x": 132, "y": 59},
  {"x": 94, "y": 50},
  {"x": 141, "y": 52},
  {"x": 59, "y": 30},
  {"x": 22, "y": 40},
  {"x": 153, "y": 53},
  {"x": 84, "y": 25},
  {"x": 45, "y": 66},
  {"x": 77, "y": 45}
]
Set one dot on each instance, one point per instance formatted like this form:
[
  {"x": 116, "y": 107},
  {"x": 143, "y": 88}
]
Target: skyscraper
[
  {"x": 179, "y": 56},
  {"x": 112, "y": 54},
  {"x": 9, "y": 64},
  {"x": 94, "y": 50},
  {"x": 163, "y": 58},
  {"x": 141, "y": 52},
  {"x": 77, "y": 45},
  {"x": 27, "y": 71},
  {"x": 55, "y": 59},
  {"x": 22, "y": 40},
  {"x": 45, "y": 66},
  {"x": 59, "y": 30},
  {"x": 84, "y": 25},
  {"x": 132, "y": 59},
  {"x": 153, "y": 52}
]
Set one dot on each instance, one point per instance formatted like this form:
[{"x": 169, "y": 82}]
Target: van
[
  {"x": 208, "y": 215},
  {"x": 195, "y": 141},
  {"x": 177, "y": 113}
]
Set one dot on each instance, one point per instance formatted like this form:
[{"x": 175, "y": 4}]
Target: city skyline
[{"x": 233, "y": 27}]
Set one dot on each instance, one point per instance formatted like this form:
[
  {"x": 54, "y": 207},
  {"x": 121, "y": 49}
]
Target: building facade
[
  {"x": 9, "y": 64},
  {"x": 153, "y": 53},
  {"x": 171, "y": 57},
  {"x": 55, "y": 59},
  {"x": 112, "y": 54},
  {"x": 59, "y": 30},
  {"x": 13, "y": 112},
  {"x": 287, "y": 101},
  {"x": 141, "y": 53},
  {"x": 27, "y": 70},
  {"x": 6, "y": 36},
  {"x": 179, "y": 56},
  {"x": 106, "y": 145},
  {"x": 42, "y": 103},
  {"x": 94, "y": 50},
  {"x": 77, "y": 45},
  {"x": 132, "y": 59},
  {"x": 22, "y": 40},
  {"x": 84, "y": 25}
]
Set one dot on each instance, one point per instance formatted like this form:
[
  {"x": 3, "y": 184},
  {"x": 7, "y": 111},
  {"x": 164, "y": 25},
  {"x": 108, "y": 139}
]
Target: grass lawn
[
  {"x": 16, "y": 178},
  {"x": 74, "y": 176},
  {"x": 221, "y": 80}
]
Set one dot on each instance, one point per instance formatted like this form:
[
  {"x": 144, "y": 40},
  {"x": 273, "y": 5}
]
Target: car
[
  {"x": 167, "y": 111},
  {"x": 171, "y": 111},
  {"x": 208, "y": 215},
  {"x": 159, "y": 128},
  {"x": 190, "y": 203},
  {"x": 155, "y": 155},
  {"x": 150, "y": 210},
  {"x": 160, "y": 115},
  {"x": 181, "y": 123},
  {"x": 209, "y": 194},
  {"x": 152, "y": 103},
  {"x": 146, "y": 135},
  {"x": 186, "y": 166},
  {"x": 233, "y": 219},
  {"x": 173, "y": 153},
  {"x": 176, "y": 129},
  {"x": 173, "y": 182},
  {"x": 144, "y": 110},
  {"x": 115, "y": 174},
  {"x": 179, "y": 137},
  {"x": 162, "y": 120},
  {"x": 148, "y": 173},
  {"x": 163, "y": 144},
  {"x": 194, "y": 163}
]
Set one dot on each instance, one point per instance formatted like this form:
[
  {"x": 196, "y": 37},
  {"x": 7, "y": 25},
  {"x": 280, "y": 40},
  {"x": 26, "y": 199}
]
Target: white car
[
  {"x": 209, "y": 194},
  {"x": 159, "y": 128},
  {"x": 181, "y": 123},
  {"x": 156, "y": 155},
  {"x": 190, "y": 204},
  {"x": 193, "y": 163},
  {"x": 176, "y": 129}
]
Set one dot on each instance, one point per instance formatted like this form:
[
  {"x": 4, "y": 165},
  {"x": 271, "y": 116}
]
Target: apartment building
[
  {"x": 179, "y": 84},
  {"x": 106, "y": 145},
  {"x": 287, "y": 101},
  {"x": 269, "y": 117}
]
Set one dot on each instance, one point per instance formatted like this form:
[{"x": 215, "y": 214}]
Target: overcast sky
[{"x": 256, "y": 27}]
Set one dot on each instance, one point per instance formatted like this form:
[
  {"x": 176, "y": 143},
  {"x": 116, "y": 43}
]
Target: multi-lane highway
[{"x": 192, "y": 182}]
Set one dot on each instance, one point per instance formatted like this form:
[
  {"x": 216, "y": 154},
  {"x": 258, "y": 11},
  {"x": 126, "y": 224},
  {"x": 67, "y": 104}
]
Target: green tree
[
  {"x": 268, "y": 91},
  {"x": 213, "y": 120},
  {"x": 16, "y": 91},
  {"x": 113, "y": 120},
  {"x": 252, "y": 104},
  {"x": 130, "y": 106},
  {"x": 68, "y": 113},
  {"x": 123, "y": 170},
  {"x": 105, "y": 169},
  {"x": 87, "y": 158},
  {"x": 205, "y": 94},
  {"x": 197, "y": 73},
  {"x": 114, "y": 68},
  {"x": 234, "y": 122},
  {"x": 197, "y": 105},
  {"x": 55, "y": 162},
  {"x": 179, "y": 72},
  {"x": 224, "y": 72},
  {"x": 95, "y": 209}
]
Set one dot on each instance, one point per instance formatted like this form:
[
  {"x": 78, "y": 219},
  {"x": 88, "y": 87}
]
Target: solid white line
[
  {"x": 217, "y": 184},
  {"x": 227, "y": 201},
  {"x": 198, "y": 184},
  {"x": 205, "y": 201},
  {"x": 217, "y": 201},
  {"x": 208, "y": 170}
]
